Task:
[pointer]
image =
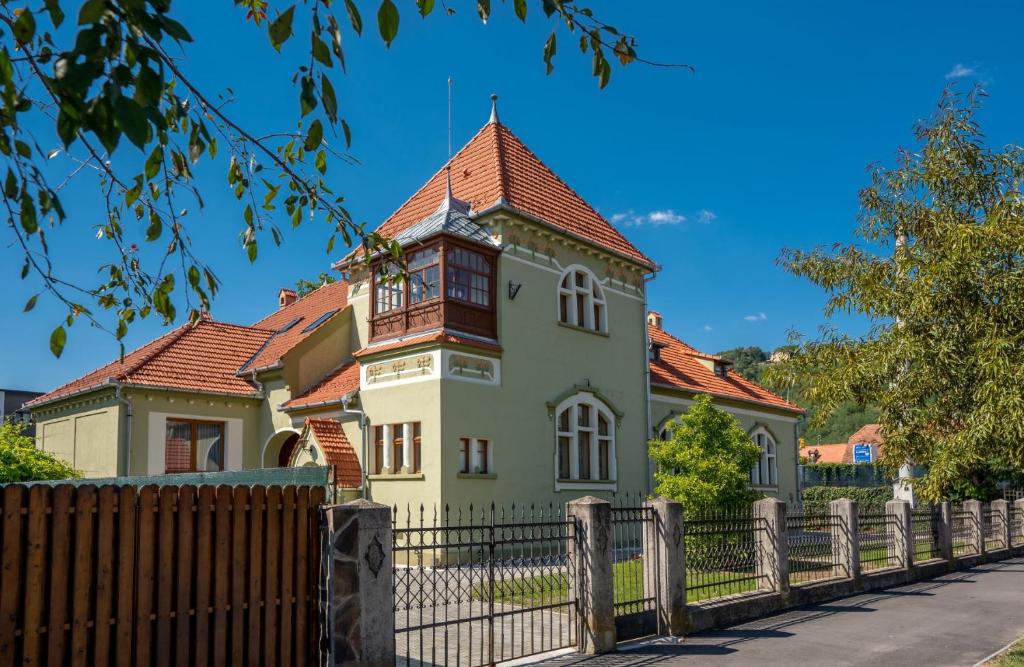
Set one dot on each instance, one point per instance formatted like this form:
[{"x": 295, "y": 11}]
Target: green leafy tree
[
  {"x": 707, "y": 459},
  {"x": 111, "y": 95},
  {"x": 304, "y": 287},
  {"x": 940, "y": 278},
  {"x": 20, "y": 461}
]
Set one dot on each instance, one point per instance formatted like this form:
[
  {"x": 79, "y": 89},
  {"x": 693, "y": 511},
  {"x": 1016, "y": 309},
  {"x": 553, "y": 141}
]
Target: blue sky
[{"x": 711, "y": 173}]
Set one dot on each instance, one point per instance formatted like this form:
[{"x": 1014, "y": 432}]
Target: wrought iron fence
[
  {"x": 877, "y": 533},
  {"x": 633, "y": 573},
  {"x": 814, "y": 541},
  {"x": 722, "y": 554},
  {"x": 1016, "y": 526},
  {"x": 477, "y": 587},
  {"x": 993, "y": 528},
  {"x": 925, "y": 522},
  {"x": 963, "y": 529}
]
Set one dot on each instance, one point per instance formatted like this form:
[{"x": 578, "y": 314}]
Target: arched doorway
[
  {"x": 287, "y": 447},
  {"x": 279, "y": 448}
]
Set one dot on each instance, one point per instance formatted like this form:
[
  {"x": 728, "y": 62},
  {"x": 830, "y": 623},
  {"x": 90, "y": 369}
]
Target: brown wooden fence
[{"x": 196, "y": 575}]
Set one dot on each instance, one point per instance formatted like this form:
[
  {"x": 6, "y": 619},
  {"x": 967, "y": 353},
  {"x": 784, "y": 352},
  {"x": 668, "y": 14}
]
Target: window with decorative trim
[
  {"x": 581, "y": 301},
  {"x": 585, "y": 440},
  {"x": 475, "y": 456},
  {"x": 389, "y": 289},
  {"x": 424, "y": 275},
  {"x": 468, "y": 276},
  {"x": 766, "y": 471},
  {"x": 193, "y": 446},
  {"x": 397, "y": 448}
]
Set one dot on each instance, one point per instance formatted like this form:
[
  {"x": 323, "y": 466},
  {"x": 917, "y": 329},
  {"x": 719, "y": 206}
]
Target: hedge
[{"x": 817, "y": 498}]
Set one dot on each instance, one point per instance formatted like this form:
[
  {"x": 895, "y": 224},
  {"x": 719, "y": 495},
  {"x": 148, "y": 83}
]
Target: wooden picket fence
[{"x": 184, "y": 575}]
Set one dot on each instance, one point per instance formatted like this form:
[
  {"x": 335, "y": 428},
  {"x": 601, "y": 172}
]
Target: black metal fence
[
  {"x": 877, "y": 532},
  {"x": 722, "y": 554},
  {"x": 994, "y": 529},
  {"x": 925, "y": 525},
  {"x": 481, "y": 586},
  {"x": 963, "y": 529},
  {"x": 814, "y": 541},
  {"x": 1016, "y": 526},
  {"x": 633, "y": 574}
]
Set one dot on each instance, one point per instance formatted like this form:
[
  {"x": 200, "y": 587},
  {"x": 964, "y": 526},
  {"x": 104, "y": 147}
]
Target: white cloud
[
  {"x": 707, "y": 327},
  {"x": 756, "y": 318},
  {"x": 960, "y": 71},
  {"x": 654, "y": 218},
  {"x": 706, "y": 217}
]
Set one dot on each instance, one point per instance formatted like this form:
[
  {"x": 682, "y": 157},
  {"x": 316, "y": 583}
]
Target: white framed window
[
  {"x": 766, "y": 471},
  {"x": 476, "y": 456},
  {"x": 581, "y": 301},
  {"x": 584, "y": 440}
]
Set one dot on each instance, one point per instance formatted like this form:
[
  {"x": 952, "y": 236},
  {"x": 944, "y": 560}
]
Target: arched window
[
  {"x": 581, "y": 300},
  {"x": 585, "y": 442},
  {"x": 766, "y": 471}
]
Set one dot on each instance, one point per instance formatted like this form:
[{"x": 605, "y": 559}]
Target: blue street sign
[{"x": 862, "y": 453}]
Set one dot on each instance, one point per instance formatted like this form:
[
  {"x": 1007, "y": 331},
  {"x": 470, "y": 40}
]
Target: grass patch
[{"x": 1014, "y": 657}]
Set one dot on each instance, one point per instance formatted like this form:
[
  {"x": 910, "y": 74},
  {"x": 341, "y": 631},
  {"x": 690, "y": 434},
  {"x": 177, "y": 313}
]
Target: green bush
[
  {"x": 20, "y": 461},
  {"x": 817, "y": 498}
]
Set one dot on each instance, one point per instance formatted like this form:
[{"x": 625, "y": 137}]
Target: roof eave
[
  {"x": 691, "y": 390},
  {"x": 345, "y": 398}
]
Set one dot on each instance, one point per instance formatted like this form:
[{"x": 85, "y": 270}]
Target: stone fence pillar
[
  {"x": 1001, "y": 522},
  {"x": 1019, "y": 511},
  {"x": 772, "y": 546},
  {"x": 664, "y": 544},
  {"x": 946, "y": 531},
  {"x": 356, "y": 586},
  {"x": 846, "y": 550},
  {"x": 591, "y": 551},
  {"x": 901, "y": 546},
  {"x": 975, "y": 526}
]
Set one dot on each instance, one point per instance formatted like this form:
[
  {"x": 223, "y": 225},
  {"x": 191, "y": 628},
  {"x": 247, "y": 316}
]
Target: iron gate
[
  {"x": 480, "y": 587},
  {"x": 635, "y": 568}
]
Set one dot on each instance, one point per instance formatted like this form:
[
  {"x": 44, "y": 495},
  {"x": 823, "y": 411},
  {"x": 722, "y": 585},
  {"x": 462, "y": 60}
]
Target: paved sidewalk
[{"x": 955, "y": 620}]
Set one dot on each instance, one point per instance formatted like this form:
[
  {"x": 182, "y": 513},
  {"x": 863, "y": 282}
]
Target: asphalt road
[{"x": 956, "y": 620}]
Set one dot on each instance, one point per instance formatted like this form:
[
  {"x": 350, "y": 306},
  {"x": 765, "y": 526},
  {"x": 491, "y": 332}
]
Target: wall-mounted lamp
[{"x": 513, "y": 289}]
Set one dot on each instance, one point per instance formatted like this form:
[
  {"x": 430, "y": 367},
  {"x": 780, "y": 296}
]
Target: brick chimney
[
  {"x": 286, "y": 297},
  {"x": 654, "y": 319}
]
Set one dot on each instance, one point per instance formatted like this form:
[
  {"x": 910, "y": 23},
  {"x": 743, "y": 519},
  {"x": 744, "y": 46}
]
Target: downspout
[
  {"x": 364, "y": 432},
  {"x": 259, "y": 388},
  {"x": 129, "y": 413},
  {"x": 647, "y": 387}
]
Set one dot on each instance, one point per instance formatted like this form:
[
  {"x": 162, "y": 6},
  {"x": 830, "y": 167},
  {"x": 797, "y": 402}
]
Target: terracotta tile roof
[
  {"x": 302, "y": 313},
  {"x": 344, "y": 380},
  {"x": 200, "y": 357},
  {"x": 678, "y": 368},
  {"x": 338, "y": 451},
  {"x": 838, "y": 453},
  {"x": 495, "y": 165},
  {"x": 435, "y": 337},
  {"x": 869, "y": 433}
]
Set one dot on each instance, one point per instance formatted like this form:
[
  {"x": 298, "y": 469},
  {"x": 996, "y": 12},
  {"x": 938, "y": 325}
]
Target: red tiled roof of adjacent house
[
  {"x": 201, "y": 357},
  {"x": 302, "y": 313},
  {"x": 344, "y": 380},
  {"x": 496, "y": 166},
  {"x": 836, "y": 453},
  {"x": 338, "y": 451},
  {"x": 869, "y": 433},
  {"x": 678, "y": 368},
  {"x": 436, "y": 337}
]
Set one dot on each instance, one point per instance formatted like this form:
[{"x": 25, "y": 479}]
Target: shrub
[
  {"x": 817, "y": 498},
  {"x": 20, "y": 461}
]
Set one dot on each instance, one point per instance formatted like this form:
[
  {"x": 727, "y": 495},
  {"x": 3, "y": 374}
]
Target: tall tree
[
  {"x": 112, "y": 96},
  {"x": 941, "y": 278}
]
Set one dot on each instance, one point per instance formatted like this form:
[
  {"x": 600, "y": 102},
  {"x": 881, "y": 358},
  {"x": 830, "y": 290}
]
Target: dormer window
[
  {"x": 654, "y": 351},
  {"x": 721, "y": 369}
]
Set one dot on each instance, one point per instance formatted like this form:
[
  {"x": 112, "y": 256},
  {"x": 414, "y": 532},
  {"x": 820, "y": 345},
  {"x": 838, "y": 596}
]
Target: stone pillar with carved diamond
[
  {"x": 591, "y": 553},
  {"x": 356, "y": 585}
]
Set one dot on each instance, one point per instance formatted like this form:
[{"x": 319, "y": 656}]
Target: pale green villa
[{"x": 518, "y": 363}]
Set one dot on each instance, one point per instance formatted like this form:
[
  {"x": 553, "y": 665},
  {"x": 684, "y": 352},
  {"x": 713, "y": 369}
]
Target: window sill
[
  {"x": 396, "y": 477},
  {"x": 603, "y": 334},
  {"x": 477, "y": 475},
  {"x": 586, "y": 485}
]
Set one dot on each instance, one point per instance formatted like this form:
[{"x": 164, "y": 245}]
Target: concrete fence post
[
  {"x": 901, "y": 546},
  {"x": 846, "y": 550},
  {"x": 591, "y": 551},
  {"x": 664, "y": 543},
  {"x": 772, "y": 546},
  {"x": 945, "y": 531},
  {"x": 975, "y": 526},
  {"x": 356, "y": 585},
  {"x": 1001, "y": 521},
  {"x": 1019, "y": 511}
]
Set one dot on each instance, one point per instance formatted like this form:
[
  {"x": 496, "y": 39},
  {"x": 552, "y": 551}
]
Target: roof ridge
[
  {"x": 572, "y": 191},
  {"x": 499, "y": 150},
  {"x": 256, "y": 324}
]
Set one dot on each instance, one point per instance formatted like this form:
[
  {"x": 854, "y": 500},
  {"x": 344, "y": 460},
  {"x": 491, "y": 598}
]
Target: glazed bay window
[
  {"x": 450, "y": 284},
  {"x": 475, "y": 456},
  {"x": 581, "y": 301},
  {"x": 396, "y": 449},
  {"x": 766, "y": 471},
  {"x": 585, "y": 440},
  {"x": 193, "y": 446}
]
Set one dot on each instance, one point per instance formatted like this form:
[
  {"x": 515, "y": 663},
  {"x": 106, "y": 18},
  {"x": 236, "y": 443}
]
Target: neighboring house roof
[
  {"x": 678, "y": 368},
  {"x": 340, "y": 382},
  {"x": 293, "y": 324},
  {"x": 496, "y": 168},
  {"x": 434, "y": 337},
  {"x": 869, "y": 433},
  {"x": 202, "y": 357},
  {"x": 337, "y": 450},
  {"x": 842, "y": 452}
]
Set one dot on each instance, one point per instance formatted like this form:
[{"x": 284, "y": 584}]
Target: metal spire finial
[
  {"x": 448, "y": 187},
  {"x": 494, "y": 109}
]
